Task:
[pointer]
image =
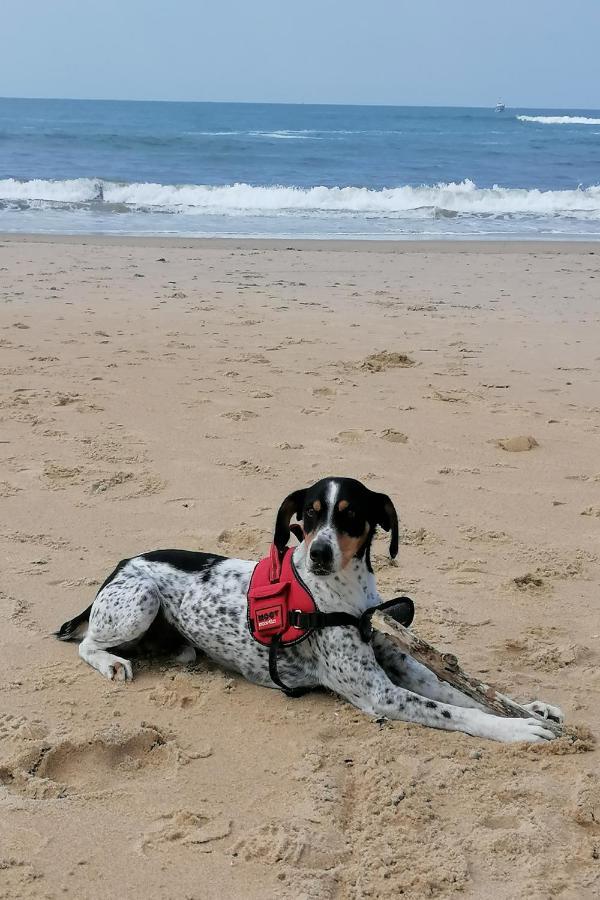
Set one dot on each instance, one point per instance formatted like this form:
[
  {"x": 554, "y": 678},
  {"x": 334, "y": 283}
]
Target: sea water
[{"x": 271, "y": 170}]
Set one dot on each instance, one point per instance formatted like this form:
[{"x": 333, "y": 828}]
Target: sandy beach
[{"x": 169, "y": 393}]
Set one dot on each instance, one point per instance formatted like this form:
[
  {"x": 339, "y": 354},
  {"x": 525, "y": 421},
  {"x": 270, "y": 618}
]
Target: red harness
[
  {"x": 282, "y": 611},
  {"x": 275, "y": 592}
]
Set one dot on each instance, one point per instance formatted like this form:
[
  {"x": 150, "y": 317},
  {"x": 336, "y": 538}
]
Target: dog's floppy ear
[
  {"x": 385, "y": 515},
  {"x": 292, "y": 505}
]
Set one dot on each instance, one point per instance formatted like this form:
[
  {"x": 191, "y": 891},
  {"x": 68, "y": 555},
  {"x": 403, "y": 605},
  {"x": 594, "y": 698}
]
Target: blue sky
[{"x": 538, "y": 53}]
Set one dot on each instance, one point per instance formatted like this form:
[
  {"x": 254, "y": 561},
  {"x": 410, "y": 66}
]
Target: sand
[{"x": 162, "y": 393}]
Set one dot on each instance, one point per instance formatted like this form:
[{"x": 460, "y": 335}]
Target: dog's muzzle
[{"x": 321, "y": 557}]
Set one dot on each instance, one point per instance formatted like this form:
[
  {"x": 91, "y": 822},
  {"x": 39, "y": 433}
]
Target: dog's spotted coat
[{"x": 203, "y": 597}]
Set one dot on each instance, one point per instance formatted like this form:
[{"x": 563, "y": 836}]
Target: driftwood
[{"x": 446, "y": 667}]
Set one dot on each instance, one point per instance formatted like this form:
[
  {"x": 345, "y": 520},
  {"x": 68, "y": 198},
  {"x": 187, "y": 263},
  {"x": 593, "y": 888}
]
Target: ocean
[{"x": 269, "y": 170}]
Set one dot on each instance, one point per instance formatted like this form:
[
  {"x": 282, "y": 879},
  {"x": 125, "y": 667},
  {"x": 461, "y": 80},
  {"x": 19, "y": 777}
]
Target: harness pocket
[{"x": 268, "y": 609}]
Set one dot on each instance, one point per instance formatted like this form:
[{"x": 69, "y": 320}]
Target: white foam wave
[
  {"x": 73, "y": 190},
  {"x": 297, "y": 134},
  {"x": 463, "y": 198},
  {"x": 213, "y": 133},
  {"x": 304, "y": 134},
  {"x": 283, "y": 135},
  {"x": 560, "y": 120}
]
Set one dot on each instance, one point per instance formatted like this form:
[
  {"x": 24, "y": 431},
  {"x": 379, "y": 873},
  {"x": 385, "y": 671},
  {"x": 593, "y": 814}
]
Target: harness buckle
[
  {"x": 303, "y": 621},
  {"x": 295, "y": 619}
]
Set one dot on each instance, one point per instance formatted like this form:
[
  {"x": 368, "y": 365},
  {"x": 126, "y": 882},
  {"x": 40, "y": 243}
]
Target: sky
[{"x": 530, "y": 53}]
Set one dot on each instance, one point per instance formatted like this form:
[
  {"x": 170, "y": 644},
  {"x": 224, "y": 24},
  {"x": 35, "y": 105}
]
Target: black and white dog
[{"x": 203, "y": 597}]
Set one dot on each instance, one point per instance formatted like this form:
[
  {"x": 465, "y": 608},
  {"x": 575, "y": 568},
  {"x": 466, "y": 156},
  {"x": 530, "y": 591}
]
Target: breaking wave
[
  {"x": 453, "y": 199},
  {"x": 560, "y": 120},
  {"x": 282, "y": 133}
]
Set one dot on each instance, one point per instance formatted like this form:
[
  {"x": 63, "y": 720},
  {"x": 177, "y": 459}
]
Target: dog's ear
[
  {"x": 385, "y": 515},
  {"x": 292, "y": 505}
]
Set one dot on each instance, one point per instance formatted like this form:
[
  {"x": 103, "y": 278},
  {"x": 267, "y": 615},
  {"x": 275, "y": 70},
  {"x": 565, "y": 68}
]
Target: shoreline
[{"x": 475, "y": 245}]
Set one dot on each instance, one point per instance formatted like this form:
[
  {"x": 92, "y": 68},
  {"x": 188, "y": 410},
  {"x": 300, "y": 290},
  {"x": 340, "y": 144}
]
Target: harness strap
[
  {"x": 316, "y": 620},
  {"x": 274, "y": 672},
  {"x": 401, "y": 608}
]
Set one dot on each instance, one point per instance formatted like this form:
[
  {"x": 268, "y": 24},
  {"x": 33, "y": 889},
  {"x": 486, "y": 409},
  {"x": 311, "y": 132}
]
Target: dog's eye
[
  {"x": 350, "y": 514},
  {"x": 309, "y": 514}
]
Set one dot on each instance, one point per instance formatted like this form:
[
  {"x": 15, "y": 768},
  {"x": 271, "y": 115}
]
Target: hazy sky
[{"x": 539, "y": 53}]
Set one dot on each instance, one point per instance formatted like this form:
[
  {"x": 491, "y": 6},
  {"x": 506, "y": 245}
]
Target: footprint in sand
[
  {"x": 246, "y": 467},
  {"x": 242, "y": 538},
  {"x": 456, "y": 396},
  {"x": 20, "y": 612},
  {"x": 289, "y": 843},
  {"x": 393, "y": 436},
  {"x": 419, "y": 537},
  {"x": 17, "y": 730},
  {"x": 349, "y": 437},
  {"x": 251, "y": 358},
  {"x": 48, "y": 769},
  {"x": 20, "y": 878},
  {"x": 541, "y": 651},
  {"x": 8, "y": 490},
  {"x": 110, "y": 481},
  {"x": 66, "y": 399},
  {"x": 60, "y": 477},
  {"x": 472, "y": 533},
  {"x": 528, "y": 581},
  {"x": 43, "y": 540},
  {"x": 181, "y": 691},
  {"x": 240, "y": 415},
  {"x": 324, "y": 392},
  {"x": 186, "y": 828},
  {"x": 142, "y": 485}
]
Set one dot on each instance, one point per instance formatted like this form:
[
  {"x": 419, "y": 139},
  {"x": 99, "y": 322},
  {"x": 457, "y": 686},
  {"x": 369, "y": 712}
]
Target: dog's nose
[{"x": 321, "y": 553}]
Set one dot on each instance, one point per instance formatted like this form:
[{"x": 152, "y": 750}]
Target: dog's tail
[{"x": 74, "y": 628}]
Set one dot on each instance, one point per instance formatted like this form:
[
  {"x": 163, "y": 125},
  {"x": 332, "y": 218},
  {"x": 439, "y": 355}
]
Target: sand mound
[
  {"x": 386, "y": 359},
  {"x": 517, "y": 444}
]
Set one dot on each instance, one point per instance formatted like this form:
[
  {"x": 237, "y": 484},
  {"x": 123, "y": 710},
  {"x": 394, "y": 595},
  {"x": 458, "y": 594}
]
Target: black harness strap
[
  {"x": 401, "y": 608},
  {"x": 316, "y": 620},
  {"x": 274, "y": 672}
]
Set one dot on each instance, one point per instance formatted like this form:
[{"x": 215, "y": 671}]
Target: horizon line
[{"x": 299, "y": 103}]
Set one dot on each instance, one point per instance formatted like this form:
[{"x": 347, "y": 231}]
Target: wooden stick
[{"x": 446, "y": 667}]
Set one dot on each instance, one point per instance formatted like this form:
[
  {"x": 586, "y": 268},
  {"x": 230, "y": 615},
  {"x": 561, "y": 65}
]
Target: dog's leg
[
  {"x": 406, "y": 672},
  {"x": 412, "y": 675},
  {"x": 348, "y": 666},
  {"x": 122, "y": 612}
]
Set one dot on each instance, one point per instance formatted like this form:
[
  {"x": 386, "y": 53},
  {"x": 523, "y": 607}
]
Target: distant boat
[{"x": 500, "y": 106}]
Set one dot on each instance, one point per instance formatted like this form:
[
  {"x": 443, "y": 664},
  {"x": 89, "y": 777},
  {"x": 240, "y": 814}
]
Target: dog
[{"x": 203, "y": 597}]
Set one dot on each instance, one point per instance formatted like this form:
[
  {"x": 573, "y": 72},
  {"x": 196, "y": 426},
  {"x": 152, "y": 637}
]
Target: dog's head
[{"x": 338, "y": 517}]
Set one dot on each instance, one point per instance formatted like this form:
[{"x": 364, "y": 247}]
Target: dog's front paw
[
  {"x": 509, "y": 730},
  {"x": 546, "y": 710},
  {"x": 530, "y": 730}
]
